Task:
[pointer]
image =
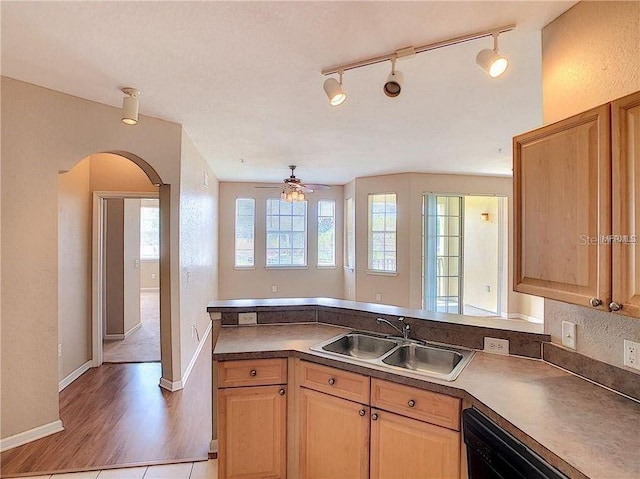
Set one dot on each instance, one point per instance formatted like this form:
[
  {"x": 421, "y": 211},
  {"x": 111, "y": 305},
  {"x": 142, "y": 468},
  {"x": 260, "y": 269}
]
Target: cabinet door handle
[
  {"x": 411, "y": 403},
  {"x": 362, "y": 412},
  {"x": 374, "y": 417},
  {"x": 331, "y": 381},
  {"x": 281, "y": 392},
  {"x": 613, "y": 306},
  {"x": 253, "y": 373},
  {"x": 595, "y": 302}
]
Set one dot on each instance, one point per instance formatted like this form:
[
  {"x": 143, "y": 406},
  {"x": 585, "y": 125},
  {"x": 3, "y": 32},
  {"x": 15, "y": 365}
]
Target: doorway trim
[{"x": 98, "y": 270}]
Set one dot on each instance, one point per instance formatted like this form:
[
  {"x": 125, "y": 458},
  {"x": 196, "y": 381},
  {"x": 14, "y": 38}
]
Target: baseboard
[
  {"x": 113, "y": 337},
  {"x": 213, "y": 448},
  {"x": 531, "y": 319},
  {"x": 171, "y": 386},
  {"x": 30, "y": 435},
  {"x": 74, "y": 375},
  {"x": 132, "y": 330},
  {"x": 194, "y": 358}
]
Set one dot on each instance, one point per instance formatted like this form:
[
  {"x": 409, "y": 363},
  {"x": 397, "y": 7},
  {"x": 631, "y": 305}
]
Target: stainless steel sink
[
  {"x": 358, "y": 345},
  {"x": 428, "y": 359}
]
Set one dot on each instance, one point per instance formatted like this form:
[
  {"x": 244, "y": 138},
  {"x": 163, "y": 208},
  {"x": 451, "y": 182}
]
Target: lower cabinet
[{"x": 407, "y": 448}]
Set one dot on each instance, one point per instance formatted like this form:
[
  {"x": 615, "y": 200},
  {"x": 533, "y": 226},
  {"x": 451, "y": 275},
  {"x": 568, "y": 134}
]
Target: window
[
  {"x": 382, "y": 232},
  {"x": 326, "y": 233},
  {"x": 350, "y": 239},
  {"x": 286, "y": 233},
  {"x": 150, "y": 231},
  {"x": 244, "y": 233}
]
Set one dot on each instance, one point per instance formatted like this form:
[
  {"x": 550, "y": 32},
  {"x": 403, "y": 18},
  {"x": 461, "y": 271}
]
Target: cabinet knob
[
  {"x": 331, "y": 381},
  {"x": 362, "y": 412},
  {"x": 411, "y": 403},
  {"x": 253, "y": 372},
  {"x": 374, "y": 416},
  {"x": 595, "y": 302},
  {"x": 613, "y": 306},
  {"x": 281, "y": 392}
]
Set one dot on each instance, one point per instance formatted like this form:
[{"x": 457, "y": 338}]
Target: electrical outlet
[
  {"x": 569, "y": 334},
  {"x": 274, "y": 288},
  {"x": 378, "y": 297},
  {"x": 487, "y": 288},
  {"x": 631, "y": 354},
  {"x": 193, "y": 331},
  {"x": 496, "y": 346},
  {"x": 153, "y": 276},
  {"x": 247, "y": 318},
  {"x": 205, "y": 179},
  {"x": 59, "y": 350}
]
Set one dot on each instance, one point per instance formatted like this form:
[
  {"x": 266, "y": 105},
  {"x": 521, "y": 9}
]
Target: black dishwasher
[{"x": 493, "y": 453}]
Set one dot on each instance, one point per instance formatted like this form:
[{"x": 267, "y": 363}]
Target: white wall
[
  {"x": 257, "y": 282},
  {"x": 43, "y": 133},
  {"x": 589, "y": 57},
  {"x": 131, "y": 258}
]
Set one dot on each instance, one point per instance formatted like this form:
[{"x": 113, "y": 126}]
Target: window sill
[
  {"x": 244, "y": 268},
  {"x": 286, "y": 267},
  {"x": 349, "y": 268},
  {"x": 326, "y": 267},
  {"x": 376, "y": 272}
]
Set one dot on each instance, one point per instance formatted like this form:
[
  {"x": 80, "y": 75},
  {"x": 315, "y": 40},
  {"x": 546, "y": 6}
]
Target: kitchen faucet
[{"x": 405, "y": 327}]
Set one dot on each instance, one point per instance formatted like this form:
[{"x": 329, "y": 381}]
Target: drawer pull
[
  {"x": 253, "y": 373},
  {"x": 374, "y": 417},
  {"x": 411, "y": 403},
  {"x": 331, "y": 381},
  {"x": 362, "y": 412},
  {"x": 281, "y": 392}
]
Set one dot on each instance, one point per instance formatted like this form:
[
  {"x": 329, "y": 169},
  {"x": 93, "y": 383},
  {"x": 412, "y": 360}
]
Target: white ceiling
[{"x": 244, "y": 79}]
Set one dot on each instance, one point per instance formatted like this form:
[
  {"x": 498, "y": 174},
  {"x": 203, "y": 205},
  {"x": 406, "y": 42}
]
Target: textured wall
[{"x": 589, "y": 57}]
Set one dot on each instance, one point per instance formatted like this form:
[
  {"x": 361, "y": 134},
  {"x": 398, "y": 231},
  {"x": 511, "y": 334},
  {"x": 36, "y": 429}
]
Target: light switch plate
[
  {"x": 569, "y": 334},
  {"x": 496, "y": 346},
  {"x": 247, "y": 318}
]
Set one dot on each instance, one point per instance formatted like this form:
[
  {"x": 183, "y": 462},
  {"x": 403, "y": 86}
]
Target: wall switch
[
  {"x": 153, "y": 276},
  {"x": 59, "y": 350},
  {"x": 378, "y": 297},
  {"x": 274, "y": 288},
  {"x": 569, "y": 334},
  {"x": 206, "y": 179},
  {"x": 631, "y": 354},
  {"x": 247, "y": 318},
  {"x": 496, "y": 346},
  {"x": 487, "y": 288}
]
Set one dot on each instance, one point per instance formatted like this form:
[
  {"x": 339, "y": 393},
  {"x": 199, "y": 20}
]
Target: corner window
[
  {"x": 245, "y": 232},
  {"x": 286, "y": 233},
  {"x": 326, "y": 233},
  {"x": 382, "y": 232}
]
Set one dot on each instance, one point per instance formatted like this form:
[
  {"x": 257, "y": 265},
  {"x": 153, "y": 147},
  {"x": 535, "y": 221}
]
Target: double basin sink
[{"x": 428, "y": 359}]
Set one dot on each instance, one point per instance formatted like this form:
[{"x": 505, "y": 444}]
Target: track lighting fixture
[
  {"x": 393, "y": 86},
  {"x": 130, "y": 105},
  {"x": 491, "y": 61},
  {"x": 334, "y": 90}
]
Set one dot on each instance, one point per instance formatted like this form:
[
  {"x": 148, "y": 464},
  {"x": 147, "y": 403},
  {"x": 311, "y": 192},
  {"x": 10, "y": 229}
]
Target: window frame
[
  {"x": 349, "y": 234},
  {"x": 370, "y": 234},
  {"x": 145, "y": 258},
  {"x": 235, "y": 235},
  {"x": 305, "y": 265},
  {"x": 335, "y": 243}
]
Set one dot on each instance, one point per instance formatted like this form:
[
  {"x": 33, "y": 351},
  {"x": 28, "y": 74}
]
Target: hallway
[{"x": 117, "y": 415}]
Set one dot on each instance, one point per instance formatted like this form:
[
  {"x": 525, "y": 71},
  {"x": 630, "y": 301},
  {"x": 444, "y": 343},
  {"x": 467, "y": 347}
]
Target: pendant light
[
  {"x": 130, "y": 105},
  {"x": 334, "y": 90},
  {"x": 491, "y": 61}
]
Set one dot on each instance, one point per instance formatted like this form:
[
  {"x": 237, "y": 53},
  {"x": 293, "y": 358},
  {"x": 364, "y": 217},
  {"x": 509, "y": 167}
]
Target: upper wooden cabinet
[
  {"x": 562, "y": 195},
  {"x": 625, "y": 132},
  {"x": 576, "y": 207}
]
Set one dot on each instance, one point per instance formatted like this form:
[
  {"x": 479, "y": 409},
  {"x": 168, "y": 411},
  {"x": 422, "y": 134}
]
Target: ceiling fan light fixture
[
  {"x": 335, "y": 92},
  {"x": 491, "y": 61},
  {"x": 130, "y": 106}
]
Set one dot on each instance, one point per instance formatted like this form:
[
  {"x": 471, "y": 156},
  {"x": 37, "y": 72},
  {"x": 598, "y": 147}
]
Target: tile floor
[{"x": 187, "y": 470}]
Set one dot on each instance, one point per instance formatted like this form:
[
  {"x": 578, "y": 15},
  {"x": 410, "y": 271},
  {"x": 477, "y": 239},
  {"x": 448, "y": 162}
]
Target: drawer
[
  {"x": 336, "y": 382},
  {"x": 423, "y": 405},
  {"x": 252, "y": 372}
]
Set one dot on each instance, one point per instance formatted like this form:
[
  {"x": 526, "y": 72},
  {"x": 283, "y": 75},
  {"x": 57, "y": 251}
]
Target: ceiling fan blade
[
  {"x": 269, "y": 187},
  {"x": 316, "y": 187}
]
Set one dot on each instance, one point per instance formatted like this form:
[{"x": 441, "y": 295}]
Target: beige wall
[
  {"x": 589, "y": 57},
  {"x": 43, "y": 133},
  {"x": 131, "y": 259},
  {"x": 257, "y": 282},
  {"x": 481, "y": 260},
  {"x": 149, "y": 274},
  {"x": 198, "y": 247},
  {"x": 74, "y": 268}
]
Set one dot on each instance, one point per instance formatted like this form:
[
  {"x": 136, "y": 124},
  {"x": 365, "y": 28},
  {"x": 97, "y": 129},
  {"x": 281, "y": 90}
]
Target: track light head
[
  {"x": 334, "y": 91},
  {"x": 393, "y": 86},
  {"x": 130, "y": 105},
  {"x": 491, "y": 61}
]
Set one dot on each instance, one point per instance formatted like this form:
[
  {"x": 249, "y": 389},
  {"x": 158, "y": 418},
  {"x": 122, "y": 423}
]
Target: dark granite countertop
[{"x": 581, "y": 428}]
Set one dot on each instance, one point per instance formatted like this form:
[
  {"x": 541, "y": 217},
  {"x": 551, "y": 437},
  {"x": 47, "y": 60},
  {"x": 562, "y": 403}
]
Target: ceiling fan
[{"x": 293, "y": 184}]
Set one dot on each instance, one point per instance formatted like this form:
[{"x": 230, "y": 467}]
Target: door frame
[{"x": 98, "y": 269}]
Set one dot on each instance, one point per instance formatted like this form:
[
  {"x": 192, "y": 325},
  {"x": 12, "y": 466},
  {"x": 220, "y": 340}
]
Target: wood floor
[{"x": 117, "y": 415}]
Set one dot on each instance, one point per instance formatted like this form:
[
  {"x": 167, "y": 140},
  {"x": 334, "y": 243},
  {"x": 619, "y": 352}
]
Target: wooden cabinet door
[
  {"x": 625, "y": 130},
  {"x": 334, "y": 437},
  {"x": 252, "y": 432},
  {"x": 403, "y": 448},
  {"x": 562, "y": 210}
]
